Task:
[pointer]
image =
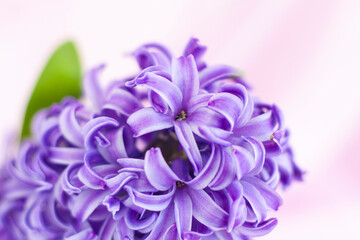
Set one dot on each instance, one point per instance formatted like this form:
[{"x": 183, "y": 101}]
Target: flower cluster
[{"x": 180, "y": 151}]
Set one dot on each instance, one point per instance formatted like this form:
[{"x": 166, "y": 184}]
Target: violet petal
[
  {"x": 211, "y": 215},
  {"x": 150, "y": 202},
  {"x": 187, "y": 141},
  {"x": 185, "y": 76},
  {"x": 146, "y": 120},
  {"x": 207, "y": 174},
  {"x": 158, "y": 171},
  {"x": 183, "y": 211}
]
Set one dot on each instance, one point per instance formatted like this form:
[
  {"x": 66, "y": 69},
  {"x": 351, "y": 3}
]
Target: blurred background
[{"x": 303, "y": 55}]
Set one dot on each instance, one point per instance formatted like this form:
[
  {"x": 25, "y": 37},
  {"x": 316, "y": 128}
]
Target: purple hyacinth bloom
[
  {"x": 180, "y": 151},
  {"x": 175, "y": 100}
]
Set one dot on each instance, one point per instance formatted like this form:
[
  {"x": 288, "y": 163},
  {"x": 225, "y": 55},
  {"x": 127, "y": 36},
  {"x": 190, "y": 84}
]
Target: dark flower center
[
  {"x": 181, "y": 116},
  {"x": 180, "y": 184},
  {"x": 169, "y": 145}
]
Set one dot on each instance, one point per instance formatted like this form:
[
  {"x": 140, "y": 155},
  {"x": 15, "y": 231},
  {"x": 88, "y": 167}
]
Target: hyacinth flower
[
  {"x": 225, "y": 176},
  {"x": 177, "y": 101},
  {"x": 180, "y": 151},
  {"x": 33, "y": 176},
  {"x": 185, "y": 197}
]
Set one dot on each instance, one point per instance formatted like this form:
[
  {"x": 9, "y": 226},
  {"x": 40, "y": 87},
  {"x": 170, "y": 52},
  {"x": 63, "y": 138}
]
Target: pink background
[{"x": 303, "y": 55}]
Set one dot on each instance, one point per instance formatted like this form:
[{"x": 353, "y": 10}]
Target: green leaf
[{"x": 61, "y": 77}]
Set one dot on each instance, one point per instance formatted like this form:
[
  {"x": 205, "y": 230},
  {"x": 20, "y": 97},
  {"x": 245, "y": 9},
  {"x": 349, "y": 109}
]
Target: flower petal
[
  {"x": 225, "y": 172},
  {"x": 146, "y": 120},
  {"x": 219, "y": 72},
  {"x": 261, "y": 126},
  {"x": 212, "y": 215},
  {"x": 279, "y": 116},
  {"x": 196, "y": 235},
  {"x": 158, "y": 171},
  {"x": 65, "y": 156},
  {"x": 249, "y": 163},
  {"x": 136, "y": 222},
  {"x": 167, "y": 90},
  {"x": 199, "y": 231},
  {"x": 113, "y": 205},
  {"x": 124, "y": 233},
  {"x": 259, "y": 154},
  {"x": 183, "y": 212},
  {"x": 205, "y": 117},
  {"x": 117, "y": 142},
  {"x": 215, "y": 135},
  {"x": 115, "y": 184},
  {"x": 69, "y": 125},
  {"x": 270, "y": 173},
  {"x": 255, "y": 200},
  {"x": 181, "y": 167},
  {"x": 66, "y": 178},
  {"x": 86, "y": 202},
  {"x": 142, "y": 184},
  {"x": 244, "y": 161},
  {"x": 171, "y": 233},
  {"x": 158, "y": 103},
  {"x": 207, "y": 174},
  {"x": 257, "y": 230},
  {"x": 271, "y": 197},
  {"x": 131, "y": 163},
  {"x": 164, "y": 221},
  {"x": 187, "y": 141},
  {"x": 185, "y": 76},
  {"x": 197, "y": 50},
  {"x": 198, "y": 101},
  {"x": 150, "y": 202},
  {"x": 241, "y": 92},
  {"x": 272, "y": 147},
  {"x": 159, "y": 70},
  {"x": 107, "y": 229},
  {"x": 287, "y": 167},
  {"x": 86, "y": 234},
  {"x": 122, "y": 101},
  {"x": 93, "y": 137},
  {"x": 38, "y": 217},
  {"x": 227, "y": 105},
  {"x": 152, "y": 54},
  {"x": 92, "y": 88},
  {"x": 88, "y": 173},
  {"x": 50, "y": 133},
  {"x": 237, "y": 212}
]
